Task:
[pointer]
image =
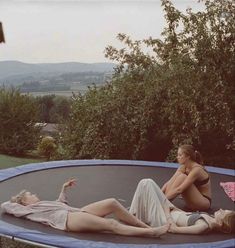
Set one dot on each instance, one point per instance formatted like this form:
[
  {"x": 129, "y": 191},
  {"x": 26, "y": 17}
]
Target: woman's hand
[
  {"x": 173, "y": 228},
  {"x": 166, "y": 209},
  {"x": 62, "y": 197},
  {"x": 71, "y": 182},
  {"x": 164, "y": 187}
]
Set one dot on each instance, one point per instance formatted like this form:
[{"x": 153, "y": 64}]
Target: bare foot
[{"x": 158, "y": 231}]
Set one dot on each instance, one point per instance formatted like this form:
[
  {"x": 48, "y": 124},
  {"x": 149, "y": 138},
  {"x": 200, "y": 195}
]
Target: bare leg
[
  {"x": 179, "y": 180},
  {"x": 112, "y": 206},
  {"x": 85, "y": 222},
  {"x": 192, "y": 196}
]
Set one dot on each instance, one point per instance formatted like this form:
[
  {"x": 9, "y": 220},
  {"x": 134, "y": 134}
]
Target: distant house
[{"x": 48, "y": 128}]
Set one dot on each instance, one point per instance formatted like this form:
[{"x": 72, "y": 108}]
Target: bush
[
  {"x": 18, "y": 115},
  {"x": 47, "y": 147}
]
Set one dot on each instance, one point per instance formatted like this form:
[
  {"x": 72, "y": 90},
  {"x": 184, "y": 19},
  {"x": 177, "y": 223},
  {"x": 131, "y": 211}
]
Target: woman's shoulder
[
  {"x": 198, "y": 167},
  {"x": 197, "y": 171},
  {"x": 200, "y": 170},
  {"x": 182, "y": 168}
]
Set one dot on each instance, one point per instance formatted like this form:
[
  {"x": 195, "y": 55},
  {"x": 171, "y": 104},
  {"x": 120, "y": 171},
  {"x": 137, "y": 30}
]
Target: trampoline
[{"x": 97, "y": 180}]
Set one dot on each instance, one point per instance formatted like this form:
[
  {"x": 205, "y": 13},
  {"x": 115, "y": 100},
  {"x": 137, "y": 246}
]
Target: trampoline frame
[{"x": 38, "y": 238}]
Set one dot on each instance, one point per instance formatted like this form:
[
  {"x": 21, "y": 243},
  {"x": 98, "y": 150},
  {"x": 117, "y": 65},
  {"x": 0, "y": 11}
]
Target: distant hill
[{"x": 15, "y": 72}]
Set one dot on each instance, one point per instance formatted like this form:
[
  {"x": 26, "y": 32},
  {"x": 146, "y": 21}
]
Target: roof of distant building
[{"x": 48, "y": 127}]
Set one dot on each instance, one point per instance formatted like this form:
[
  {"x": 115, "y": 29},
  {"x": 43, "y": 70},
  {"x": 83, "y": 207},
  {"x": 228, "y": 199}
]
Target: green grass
[{"x": 9, "y": 161}]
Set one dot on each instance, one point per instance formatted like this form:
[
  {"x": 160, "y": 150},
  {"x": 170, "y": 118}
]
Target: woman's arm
[
  {"x": 172, "y": 179},
  {"x": 68, "y": 184},
  {"x": 164, "y": 187},
  {"x": 189, "y": 180},
  {"x": 167, "y": 212},
  {"x": 199, "y": 227}
]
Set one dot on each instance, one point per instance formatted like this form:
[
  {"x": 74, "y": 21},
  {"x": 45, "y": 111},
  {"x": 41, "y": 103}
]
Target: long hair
[
  {"x": 228, "y": 225},
  {"x": 192, "y": 153}
]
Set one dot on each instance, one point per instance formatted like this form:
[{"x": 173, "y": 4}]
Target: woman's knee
[
  {"x": 146, "y": 181},
  {"x": 113, "y": 203},
  {"x": 147, "y": 184},
  {"x": 180, "y": 179},
  {"x": 113, "y": 224},
  {"x": 181, "y": 175}
]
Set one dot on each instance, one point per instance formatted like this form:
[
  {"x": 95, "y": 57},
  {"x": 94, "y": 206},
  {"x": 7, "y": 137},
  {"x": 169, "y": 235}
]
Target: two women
[
  {"x": 150, "y": 205},
  {"x": 192, "y": 181}
]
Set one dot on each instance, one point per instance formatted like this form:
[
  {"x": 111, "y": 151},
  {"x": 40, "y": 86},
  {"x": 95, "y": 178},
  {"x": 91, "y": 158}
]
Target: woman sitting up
[
  {"x": 90, "y": 218},
  {"x": 150, "y": 205},
  {"x": 191, "y": 180}
]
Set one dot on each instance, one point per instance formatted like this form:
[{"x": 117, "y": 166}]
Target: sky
[{"x": 53, "y": 31}]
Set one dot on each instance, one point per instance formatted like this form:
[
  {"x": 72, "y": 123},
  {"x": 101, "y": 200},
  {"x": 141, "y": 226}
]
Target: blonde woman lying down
[{"x": 91, "y": 218}]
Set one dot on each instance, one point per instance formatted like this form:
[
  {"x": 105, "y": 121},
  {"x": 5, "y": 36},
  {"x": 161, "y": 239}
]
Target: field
[
  {"x": 9, "y": 161},
  {"x": 57, "y": 93},
  {"x": 82, "y": 88}
]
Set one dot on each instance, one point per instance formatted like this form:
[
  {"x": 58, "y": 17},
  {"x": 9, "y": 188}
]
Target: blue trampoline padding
[
  {"x": 69, "y": 242},
  {"x": 12, "y": 172}
]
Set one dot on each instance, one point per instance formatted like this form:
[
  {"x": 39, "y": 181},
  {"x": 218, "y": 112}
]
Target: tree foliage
[
  {"x": 180, "y": 91},
  {"x": 47, "y": 147},
  {"x": 18, "y": 114},
  {"x": 53, "y": 109}
]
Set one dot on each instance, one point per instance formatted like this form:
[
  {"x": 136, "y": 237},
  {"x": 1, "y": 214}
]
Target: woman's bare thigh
[
  {"x": 100, "y": 208},
  {"x": 194, "y": 199},
  {"x": 81, "y": 222}
]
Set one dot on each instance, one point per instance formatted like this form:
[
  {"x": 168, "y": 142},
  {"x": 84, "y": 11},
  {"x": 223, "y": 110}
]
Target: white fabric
[{"x": 147, "y": 203}]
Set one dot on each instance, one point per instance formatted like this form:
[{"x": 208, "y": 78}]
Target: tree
[
  {"x": 61, "y": 109},
  {"x": 195, "y": 56},
  {"x": 53, "y": 109},
  {"x": 46, "y": 103},
  {"x": 18, "y": 114},
  {"x": 181, "y": 91},
  {"x": 201, "y": 57}
]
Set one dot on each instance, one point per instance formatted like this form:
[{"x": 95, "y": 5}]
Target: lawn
[{"x": 9, "y": 161}]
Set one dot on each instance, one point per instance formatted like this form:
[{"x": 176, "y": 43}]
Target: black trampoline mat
[{"x": 104, "y": 181}]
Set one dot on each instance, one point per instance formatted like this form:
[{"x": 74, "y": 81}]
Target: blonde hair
[
  {"x": 19, "y": 197},
  {"x": 228, "y": 225}
]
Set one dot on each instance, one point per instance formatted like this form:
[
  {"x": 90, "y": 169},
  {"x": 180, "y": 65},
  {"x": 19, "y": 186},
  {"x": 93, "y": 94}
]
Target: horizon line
[{"x": 20, "y": 61}]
